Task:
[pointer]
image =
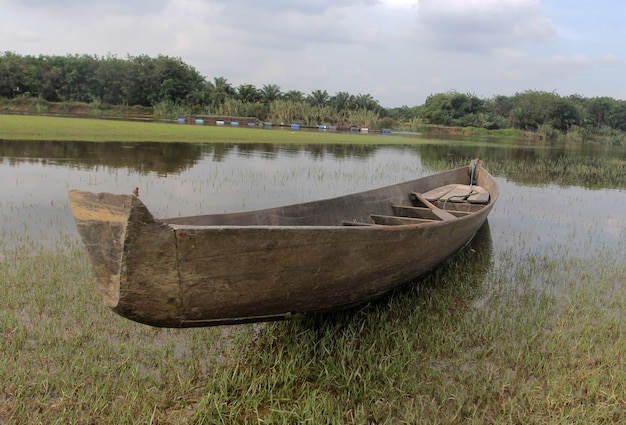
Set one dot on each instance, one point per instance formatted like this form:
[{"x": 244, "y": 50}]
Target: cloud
[
  {"x": 510, "y": 53},
  {"x": 125, "y": 6},
  {"x": 277, "y": 25},
  {"x": 611, "y": 60},
  {"x": 482, "y": 26},
  {"x": 302, "y": 7},
  {"x": 28, "y": 36},
  {"x": 560, "y": 62},
  {"x": 551, "y": 69}
]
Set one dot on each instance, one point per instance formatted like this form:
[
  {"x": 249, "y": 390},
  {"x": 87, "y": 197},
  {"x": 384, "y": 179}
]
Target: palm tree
[
  {"x": 341, "y": 100},
  {"x": 247, "y": 93},
  {"x": 220, "y": 89},
  {"x": 294, "y": 96},
  {"x": 318, "y": 98},
  {"x": 367, "y": 102},
  {"x": 270, "y": 93}
]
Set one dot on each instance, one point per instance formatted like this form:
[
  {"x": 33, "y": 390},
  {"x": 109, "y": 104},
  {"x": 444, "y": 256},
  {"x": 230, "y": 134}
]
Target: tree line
[{"x": 170, "y": 88}]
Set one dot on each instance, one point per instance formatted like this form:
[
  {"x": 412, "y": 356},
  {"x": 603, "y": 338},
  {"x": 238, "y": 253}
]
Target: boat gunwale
[{"x": 372, "y": 226}]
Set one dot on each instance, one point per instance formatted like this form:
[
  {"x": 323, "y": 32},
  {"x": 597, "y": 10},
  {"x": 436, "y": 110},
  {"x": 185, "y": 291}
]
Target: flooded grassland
[{"x": 526, "y": 325}]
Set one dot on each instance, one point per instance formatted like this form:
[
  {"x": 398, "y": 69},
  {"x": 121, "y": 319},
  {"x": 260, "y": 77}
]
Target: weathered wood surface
[
  {"x": 270, "y": 264},
  {"x": 458, "y": 193},
  {"x": 390, "y": 220},
  {"x": 440, "y": 213},
  {"x": 422, "y": 212}
]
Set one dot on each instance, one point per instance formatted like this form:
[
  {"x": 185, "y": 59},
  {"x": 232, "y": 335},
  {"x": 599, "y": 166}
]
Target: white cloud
[
  {"x": 27, "y": 35},
  {"x": 482, "y": 26},
  {"x": 510, "y": 53},
  {"x": 547, "y": 71},
  {"x": 611, "y": 60},
  {"x": 399, "y": 3},
  {"x": 562, "y": 61}
]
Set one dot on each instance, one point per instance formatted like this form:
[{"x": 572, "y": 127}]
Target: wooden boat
[{"x": 277, "y": 263}]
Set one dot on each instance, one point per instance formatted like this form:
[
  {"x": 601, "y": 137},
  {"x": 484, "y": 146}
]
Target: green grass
[
  {"x": 31, "y": 127},
  {"x": 476, "y": 342}
]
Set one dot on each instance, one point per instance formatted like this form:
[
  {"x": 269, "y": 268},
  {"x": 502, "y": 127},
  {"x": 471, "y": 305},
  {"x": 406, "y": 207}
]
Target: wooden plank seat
[
  {"x": 421, "y": 212},
  {"x": 458, "y": 193},
  {"x": 438, "y": 212},
  {"x": 391, "y": 220},
  {"x": 413, "y": 212}
]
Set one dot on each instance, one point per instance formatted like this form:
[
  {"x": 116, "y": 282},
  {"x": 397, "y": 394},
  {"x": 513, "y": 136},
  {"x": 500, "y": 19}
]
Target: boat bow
[{"x": 133, "y": 256}]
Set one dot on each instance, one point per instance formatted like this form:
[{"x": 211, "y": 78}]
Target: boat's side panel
[{"x": 231, "y": 275}]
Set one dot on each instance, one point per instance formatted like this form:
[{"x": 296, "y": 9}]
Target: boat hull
[{"x": 271, "y": 264}]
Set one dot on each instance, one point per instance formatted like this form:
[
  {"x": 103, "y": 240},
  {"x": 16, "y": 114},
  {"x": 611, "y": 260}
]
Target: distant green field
[{"x": 30, "y": 127}]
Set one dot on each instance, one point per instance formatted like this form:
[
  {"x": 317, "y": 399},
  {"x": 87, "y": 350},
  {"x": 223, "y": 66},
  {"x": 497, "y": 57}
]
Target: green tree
[
  {"x": 113, "y": 81},
  {"x": 318, "y": 98},
  {"x": 404, "y": 113},
  {"x": 248, "y": 93},
  {"x": 598, "y": 110},
  {"x": 454, "y": 108},
  {"x": 199, "y": 96},
  {"x": 342, "y": 100},
  {"x": 532, "y": 109},
  {"x": 437, "y": 109},
  {"x": 220, "y": 90},
  {"x": 366, "y": 102},
  {"x": 617, "y": 115},
  {"x": 563, "y": 114},
  {"x": 270, "y": 93},
  {"x": 294, "y": 96},
  {"x": 13, "y": 72},
  {"x": 50, "y": 78},
  {"x": 78, "y": 78}
]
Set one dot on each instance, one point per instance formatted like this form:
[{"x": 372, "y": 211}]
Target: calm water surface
[{"x": 191, "y": 179}]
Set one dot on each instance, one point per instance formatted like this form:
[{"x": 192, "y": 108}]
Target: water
[{"x": 191, "y": 179}]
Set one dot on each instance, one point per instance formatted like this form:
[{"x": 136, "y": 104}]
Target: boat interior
[
  {"x": 399, "y": 206},
  {"x": 441, "y": 204}
]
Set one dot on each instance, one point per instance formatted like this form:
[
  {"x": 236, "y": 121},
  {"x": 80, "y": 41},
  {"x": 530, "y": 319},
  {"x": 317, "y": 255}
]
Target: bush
[{"x": 548, "y": 132}]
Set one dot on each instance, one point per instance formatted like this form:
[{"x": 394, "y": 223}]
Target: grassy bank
[
  {"x": 37, "y": 127},
  {"x": 31, "y": 127},
  {"x": 477, "y": 342}
]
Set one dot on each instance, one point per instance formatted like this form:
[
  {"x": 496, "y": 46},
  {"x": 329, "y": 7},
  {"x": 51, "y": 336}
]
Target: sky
[{"x": 398, "y": 51}]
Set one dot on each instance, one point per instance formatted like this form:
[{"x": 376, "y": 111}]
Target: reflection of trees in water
[
  {"x": 584, "y": 165},
  {"x": 567, "y": 164},
  {"x": 318, "y": 151},
  {"x": 162, "y": 158},
  {"x": 166, "y": 158}
]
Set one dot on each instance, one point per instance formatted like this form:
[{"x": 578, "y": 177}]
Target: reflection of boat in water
[{"x": 277, "y": 263}]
